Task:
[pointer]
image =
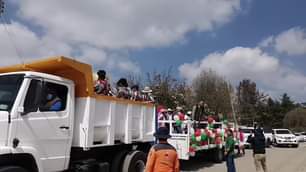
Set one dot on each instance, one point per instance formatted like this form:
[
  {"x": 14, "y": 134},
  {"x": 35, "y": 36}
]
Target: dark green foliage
[{"x": 296, "y": 119}]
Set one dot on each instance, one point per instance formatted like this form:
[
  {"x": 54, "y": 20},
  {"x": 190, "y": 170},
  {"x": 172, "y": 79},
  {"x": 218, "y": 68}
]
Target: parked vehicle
[
  {"x": 268, "y": 136},
  {"x": 284, "y": 137},
  {"x": 247, "y": 131},
  {"x": 299, "y": 137},
  {"x": 88, "y": 133},
  {"x": 303, "y": 134}
]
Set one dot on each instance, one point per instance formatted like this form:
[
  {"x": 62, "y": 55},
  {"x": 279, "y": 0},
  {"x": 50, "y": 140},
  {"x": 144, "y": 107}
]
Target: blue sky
[
  {"x": 257, "y": 39},
  {"x": 259, "y": 20}
]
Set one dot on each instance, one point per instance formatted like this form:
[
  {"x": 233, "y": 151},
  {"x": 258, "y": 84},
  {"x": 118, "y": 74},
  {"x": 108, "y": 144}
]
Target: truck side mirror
[
  {"x": 20, "y": 110},
  {"x": 26, "y": 111}
]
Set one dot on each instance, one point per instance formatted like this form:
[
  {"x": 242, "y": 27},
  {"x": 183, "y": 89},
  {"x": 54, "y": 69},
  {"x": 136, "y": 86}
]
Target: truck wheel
[
  {"x": 12, "y": 169},
  {"x": 218, "y": 155},
  {"x": 135, "y": 161},
  {"x": 117, "y": 162}
]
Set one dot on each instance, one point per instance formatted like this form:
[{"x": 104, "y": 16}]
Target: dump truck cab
[
  {"x": 29, "y": 125},
  {"x": 48, "y": 109}
]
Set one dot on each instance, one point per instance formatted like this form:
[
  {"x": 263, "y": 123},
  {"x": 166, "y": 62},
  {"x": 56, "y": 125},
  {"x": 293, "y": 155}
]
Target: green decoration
[
  {"x": 193, "y": 138},
  {"x": 203, "y": 137},
  {"x": 210, "y": 126},
  {"x": 194, "y": 146},
  {"x": 178, "y": 123}
]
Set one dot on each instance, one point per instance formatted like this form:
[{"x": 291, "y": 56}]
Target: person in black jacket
[{"x": 257, "y": 142}]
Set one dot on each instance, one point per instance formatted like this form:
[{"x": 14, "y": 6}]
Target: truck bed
[{"x": 103, "y": 121}]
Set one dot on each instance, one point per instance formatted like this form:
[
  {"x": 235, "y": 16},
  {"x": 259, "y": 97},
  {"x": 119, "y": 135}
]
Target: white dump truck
[{"x": 88, "y": 132}]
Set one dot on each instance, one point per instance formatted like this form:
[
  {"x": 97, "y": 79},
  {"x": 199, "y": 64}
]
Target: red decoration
[
  {"x": 208, "y": 133},
  {"x": 191, "y": 149},
  {"x": 197, "y": 132}
]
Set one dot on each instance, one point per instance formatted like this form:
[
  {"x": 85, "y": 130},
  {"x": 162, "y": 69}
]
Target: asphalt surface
[{"x": 278, "y": 160}]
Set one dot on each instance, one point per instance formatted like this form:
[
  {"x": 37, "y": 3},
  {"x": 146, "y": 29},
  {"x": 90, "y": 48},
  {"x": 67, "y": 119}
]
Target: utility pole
[{"x": 232, "y": 98}]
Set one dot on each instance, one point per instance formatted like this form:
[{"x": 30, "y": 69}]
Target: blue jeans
[{"x": 230, "y": 164}]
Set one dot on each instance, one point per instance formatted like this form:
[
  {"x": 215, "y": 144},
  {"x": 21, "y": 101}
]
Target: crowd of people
[{"x": 122, "y": 89}]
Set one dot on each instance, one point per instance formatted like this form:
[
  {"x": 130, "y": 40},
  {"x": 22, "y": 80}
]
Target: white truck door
[
  {"x": 9, "y": 87},
  {"x": 46, "y": 126}
]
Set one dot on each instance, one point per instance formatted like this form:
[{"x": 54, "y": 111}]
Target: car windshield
[
  {"x": 283, "y": 132},
  {"x": 267, "y": 130},
  {"x": 246, "y": 130},
  {"x": 9, "y": 87}
]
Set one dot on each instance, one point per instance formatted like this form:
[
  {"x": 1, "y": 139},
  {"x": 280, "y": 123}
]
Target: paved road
[{"x": 278, "y": 160}]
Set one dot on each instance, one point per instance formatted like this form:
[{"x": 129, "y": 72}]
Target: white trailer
[
  {"x": 182, "y": 141},
  {"x": 89, "y": 133}
]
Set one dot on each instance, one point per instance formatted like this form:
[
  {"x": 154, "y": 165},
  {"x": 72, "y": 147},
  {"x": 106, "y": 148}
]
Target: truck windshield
[{"x": 9, "y": 87}]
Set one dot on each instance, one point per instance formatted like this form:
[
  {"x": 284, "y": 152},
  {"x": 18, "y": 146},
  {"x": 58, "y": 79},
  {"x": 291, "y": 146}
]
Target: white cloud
[
  {"x": 90, "y": 30},
  {"x": 239, "y": 63},
  {"x": 267, "y": 42},
  {"x": 291, "y": 42},
  {"x": 30, "y": 46},
  {"x": 108, "y": 61},
  {"x": 126, "y": 24}
]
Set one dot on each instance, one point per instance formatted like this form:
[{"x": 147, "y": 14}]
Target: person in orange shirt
[{"x": 162, "y": 156}]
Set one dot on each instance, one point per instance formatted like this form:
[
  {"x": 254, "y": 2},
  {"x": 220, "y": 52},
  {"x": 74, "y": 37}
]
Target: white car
[
  {"x": 246, "y": 132},
  {"x": 304, "y": 136},
  {"x": 268, "y": 136},
  {"x": 284, "y": 137},
  {"x": 299, "y": 137}
]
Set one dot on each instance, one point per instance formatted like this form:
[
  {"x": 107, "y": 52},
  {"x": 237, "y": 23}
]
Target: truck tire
[
  {"x": 218, "y": 155},
  {"x": 117, "y": 162},
  {"x": 135, "y": 161},
  {"x": 12, "y": 169}
]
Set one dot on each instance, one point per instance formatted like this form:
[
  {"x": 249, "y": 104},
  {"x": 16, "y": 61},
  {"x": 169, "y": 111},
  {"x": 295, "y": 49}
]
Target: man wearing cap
[
  {"x": 147, "y": 95},
  {"x": 162, "y": 156}
]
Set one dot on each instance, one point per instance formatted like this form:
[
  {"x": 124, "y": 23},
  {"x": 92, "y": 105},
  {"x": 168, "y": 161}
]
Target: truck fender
[{"x": 25, "y": 153}]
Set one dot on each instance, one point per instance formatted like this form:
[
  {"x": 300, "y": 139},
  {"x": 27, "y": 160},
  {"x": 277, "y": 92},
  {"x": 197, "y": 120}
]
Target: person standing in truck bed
[{"x": 162, "y": 156}]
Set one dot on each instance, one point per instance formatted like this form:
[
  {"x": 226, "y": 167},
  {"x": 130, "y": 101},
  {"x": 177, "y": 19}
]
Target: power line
[{"x": 10, "y": 34}]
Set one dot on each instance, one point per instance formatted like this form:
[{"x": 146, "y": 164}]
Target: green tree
[
  {"x": 296, "y": 119},
  {"x": 247, "y": 94},
  {"x": 168, "y": 90},
  {"x": 214, "y": 90}
]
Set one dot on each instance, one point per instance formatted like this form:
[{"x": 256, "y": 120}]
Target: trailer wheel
[
  {"x": 12, "y": 169},
  {"x": 117, "y": 162},
  {"x": 135, "y": 161},
  {"x": 218, "y": 155}
]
